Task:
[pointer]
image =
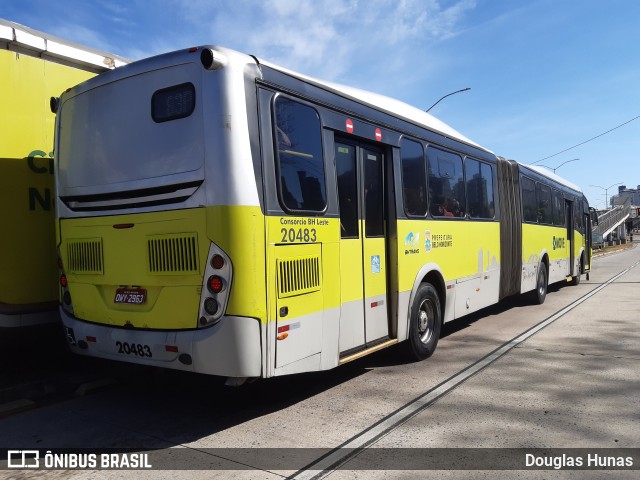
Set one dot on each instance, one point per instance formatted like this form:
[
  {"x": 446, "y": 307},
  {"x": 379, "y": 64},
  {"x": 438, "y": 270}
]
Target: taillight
[
  {"x": 215, "y": 284},
  {"x": 65, "y": 296},
  {"x": 216, "y": 287},
  {"x": 211, "y": 306},
  {"x": 217, "y": 262}
]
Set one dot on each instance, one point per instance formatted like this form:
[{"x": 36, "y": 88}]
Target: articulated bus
[
  {"x": 223, "y": 215},
  {"x": 34, "y": 67}
]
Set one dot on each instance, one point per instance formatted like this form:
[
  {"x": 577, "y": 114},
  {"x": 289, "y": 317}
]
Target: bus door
[
  {"x": 587, "y": 240},
  {"x": 363, "y": 246},
  {"x": 569, "y": 217}
]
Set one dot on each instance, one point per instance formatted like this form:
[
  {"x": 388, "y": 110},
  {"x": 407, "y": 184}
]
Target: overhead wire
[{"x": 586, "y": 141}]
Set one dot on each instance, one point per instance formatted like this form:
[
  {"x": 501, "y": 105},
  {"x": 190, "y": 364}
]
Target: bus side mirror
[{"x": 594, "y": 216}]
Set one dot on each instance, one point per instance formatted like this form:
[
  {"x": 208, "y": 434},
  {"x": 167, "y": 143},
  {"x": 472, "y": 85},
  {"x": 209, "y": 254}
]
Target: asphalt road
[{"x": 564, "y": 375}]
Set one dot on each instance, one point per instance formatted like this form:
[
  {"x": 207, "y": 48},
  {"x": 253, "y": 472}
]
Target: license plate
[{"x": 130, "y": 296}]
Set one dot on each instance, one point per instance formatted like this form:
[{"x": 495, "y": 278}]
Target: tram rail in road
[{"x": 337, "y": 457}]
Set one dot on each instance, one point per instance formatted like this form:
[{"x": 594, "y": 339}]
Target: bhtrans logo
[{"x": 412, "y": 243}]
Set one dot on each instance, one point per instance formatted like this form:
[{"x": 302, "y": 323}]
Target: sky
[{"x": 544, "y": 75}]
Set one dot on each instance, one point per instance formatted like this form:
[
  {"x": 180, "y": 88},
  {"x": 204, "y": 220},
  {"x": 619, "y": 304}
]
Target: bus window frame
[
  {"x": 426, "y": 177},
  {"x": 522, "y": 196},
  {"x": 347, "y": 141},
  {"x": 461, "y": 156},
  {"x": 558, "y": 211},
  {"x": 566, "y": 194},
  {"x": 276, "y": 156},
  {"x": 549, "y": 210},
  {"x": 493, "y": 188}
]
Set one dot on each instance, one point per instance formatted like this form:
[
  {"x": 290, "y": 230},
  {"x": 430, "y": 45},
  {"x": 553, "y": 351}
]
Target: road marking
[{"x": 341, "y": 454}]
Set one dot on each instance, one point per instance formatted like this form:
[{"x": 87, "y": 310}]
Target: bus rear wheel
[
  {"x": 576, "y": 280},
  {"x": 425, "y": 323},
  {"x": 540, "y": 293}
]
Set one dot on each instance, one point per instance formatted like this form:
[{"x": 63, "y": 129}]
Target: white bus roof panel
[
  {"x": 549, "y": 174},
  {"x": 384, "y": 103}
]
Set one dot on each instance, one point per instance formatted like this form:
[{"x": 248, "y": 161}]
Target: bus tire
[
  {"x": 425, "y": 323},
  {"x": 540, "y": 293},
  {"x": 576, "y": 280}
]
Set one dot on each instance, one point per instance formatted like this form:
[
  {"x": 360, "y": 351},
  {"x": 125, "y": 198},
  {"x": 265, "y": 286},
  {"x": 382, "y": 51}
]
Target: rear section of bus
[{"x": 160, "y": 231}]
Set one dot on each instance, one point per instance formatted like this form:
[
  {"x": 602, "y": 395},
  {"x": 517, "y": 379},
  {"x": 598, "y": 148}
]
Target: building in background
[{"x": 626, "y": 196}]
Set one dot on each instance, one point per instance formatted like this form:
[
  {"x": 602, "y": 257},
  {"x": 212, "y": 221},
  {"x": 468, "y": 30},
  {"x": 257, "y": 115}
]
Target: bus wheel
[
  {"x": 540, "y": 292},
  {"x": 576, "y": 280},
  {"x": 425, "y": 323}
]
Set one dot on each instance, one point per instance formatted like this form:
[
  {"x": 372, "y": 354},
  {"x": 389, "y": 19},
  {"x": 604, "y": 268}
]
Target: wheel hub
[{"x": 425, "y": 321}]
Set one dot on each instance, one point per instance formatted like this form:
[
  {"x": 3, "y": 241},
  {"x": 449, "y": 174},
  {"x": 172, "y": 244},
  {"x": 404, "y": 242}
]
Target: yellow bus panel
[{"x": 27, "y": 246}]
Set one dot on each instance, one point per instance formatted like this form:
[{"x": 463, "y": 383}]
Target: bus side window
[
  {"x": 543, "y": 192},
  {"x": 529, "y": 204},
  {"x": 558, "y": 208},
  {"x": 578, "y": 216},
  {"x": 479, "y": 189},
  {"x": 446, "y": 183},
  {"x": 414, "y": 178},
  {"x": 347, "y": 190},
  {"x": 300, "y": 162}
]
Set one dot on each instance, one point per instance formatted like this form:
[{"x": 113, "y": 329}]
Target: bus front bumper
[{"x": 230, "y": 348}]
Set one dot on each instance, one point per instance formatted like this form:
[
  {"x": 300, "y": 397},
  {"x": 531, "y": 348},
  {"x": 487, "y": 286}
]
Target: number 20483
[
  {"x": 291, "y": 235},
  {"x": 136, "y": 349}
]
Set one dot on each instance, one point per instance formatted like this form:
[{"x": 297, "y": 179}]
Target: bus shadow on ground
[
  {"x": 38, "y": 366},
  {"x": 396, "y": 355},
  {"x": 141, "y": 396},
  {"x": 173, "y": 408},
  {"x": 208, "y": 407},
  {"x": 35, "y": 363}
]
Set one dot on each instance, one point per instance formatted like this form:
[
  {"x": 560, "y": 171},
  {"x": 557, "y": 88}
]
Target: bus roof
[
  {"x": 14, "y": 36},
  {"x": 389, "y": 105},
  {"x": 552, "y": 176}
]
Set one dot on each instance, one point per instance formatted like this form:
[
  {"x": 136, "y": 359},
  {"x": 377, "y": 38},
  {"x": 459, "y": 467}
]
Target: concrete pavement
[{"x": 576, "y": 383}]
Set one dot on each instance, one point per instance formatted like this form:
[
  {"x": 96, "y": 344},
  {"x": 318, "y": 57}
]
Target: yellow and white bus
[
  {"x": 34, "y": 67},
  {"x": 223, "y": 215}
]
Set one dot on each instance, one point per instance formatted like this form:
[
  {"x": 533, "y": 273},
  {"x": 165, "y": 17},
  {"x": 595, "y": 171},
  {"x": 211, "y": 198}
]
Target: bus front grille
[
  {"x": 298, "y": 275},
  {"x": 173, "y": 254},
  {"x": 85, "y": 256}
]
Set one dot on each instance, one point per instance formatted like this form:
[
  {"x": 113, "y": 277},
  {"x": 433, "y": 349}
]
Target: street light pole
[
  {"x": 606, "y": 190},
  {"x": 447, "y": 95},
  {"x": 554, "y": 169}
]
